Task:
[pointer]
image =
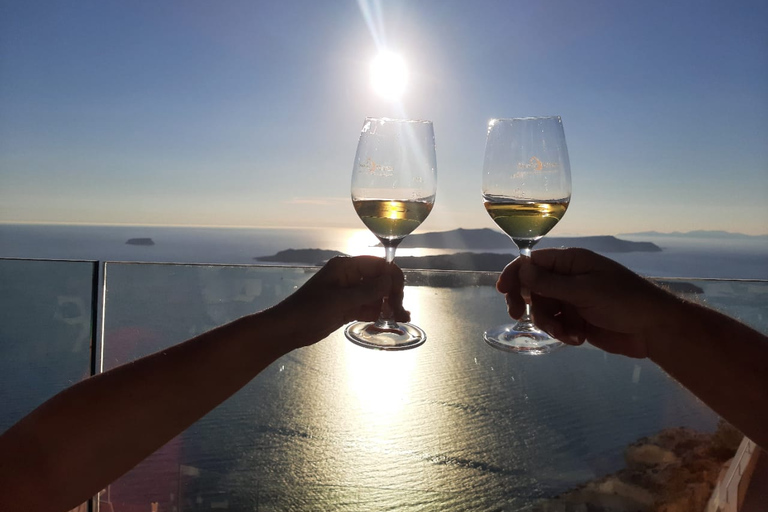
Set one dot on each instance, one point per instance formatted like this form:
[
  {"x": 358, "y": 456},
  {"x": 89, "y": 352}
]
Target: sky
[{"x": 247, "y": 113}]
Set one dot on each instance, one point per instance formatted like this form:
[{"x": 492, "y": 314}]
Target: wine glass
[
  {"x": 394, "y": 179},
  {"x": 526, "y": 190}
]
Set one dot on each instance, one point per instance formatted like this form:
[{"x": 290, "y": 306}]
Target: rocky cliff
[{"x": 672, "y": 471}]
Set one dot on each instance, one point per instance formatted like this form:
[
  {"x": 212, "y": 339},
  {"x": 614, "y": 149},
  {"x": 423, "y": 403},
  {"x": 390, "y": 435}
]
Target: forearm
[
  {"x": 720, "y": 360},
  {"x": 90, "y": 434}
]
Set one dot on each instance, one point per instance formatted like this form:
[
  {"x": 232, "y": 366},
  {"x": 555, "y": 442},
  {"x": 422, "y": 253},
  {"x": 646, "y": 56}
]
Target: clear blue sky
[{"x": 247, "y": 113}]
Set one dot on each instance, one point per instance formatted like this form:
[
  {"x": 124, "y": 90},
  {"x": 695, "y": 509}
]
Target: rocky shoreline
[
  {"x": 672, "y": 471},
  {"x": 489, "y": 239}
]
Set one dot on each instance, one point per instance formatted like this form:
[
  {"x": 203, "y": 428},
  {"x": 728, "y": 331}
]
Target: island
[
  {"x": 489, "y": 239},
  {"x": 467, "y": 243},
  {"x": 490, "y": 262},
  {"x": 303, "y": 256},
  {"x": 140, "y": 241},
  {"x": 700, "y": 234}
]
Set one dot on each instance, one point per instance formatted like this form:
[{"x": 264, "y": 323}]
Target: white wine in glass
[
  {"x": 391, "y": 220},
  {"x": 526, "y": 191},
  {"x": 394, "y": 180}
]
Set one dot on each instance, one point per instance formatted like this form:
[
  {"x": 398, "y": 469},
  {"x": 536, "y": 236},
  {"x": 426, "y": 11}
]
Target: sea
[{"x": 451, "y": 425}]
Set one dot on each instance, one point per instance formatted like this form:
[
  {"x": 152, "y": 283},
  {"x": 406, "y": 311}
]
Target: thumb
[{"x": 548, "y": 284}]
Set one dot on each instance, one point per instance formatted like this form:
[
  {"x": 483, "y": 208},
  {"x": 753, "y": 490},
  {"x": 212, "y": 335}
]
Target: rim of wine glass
[
  {"x": 396, "y": 120},
  {"x": 531, "y": 118}
]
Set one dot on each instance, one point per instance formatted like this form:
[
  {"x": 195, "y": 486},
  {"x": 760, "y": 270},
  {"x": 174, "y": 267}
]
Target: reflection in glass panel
[
  {"x": 45, "y": 331},
  {"x": 453, "y": 425},
  {"x": 150, "y": 307}
]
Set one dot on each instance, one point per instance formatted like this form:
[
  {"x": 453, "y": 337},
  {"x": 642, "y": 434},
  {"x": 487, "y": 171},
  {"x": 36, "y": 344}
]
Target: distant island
[
  {"x": 461, "y": 261},
  {"x": 471, "y": 240},
  {"x": 304, "y": 256},
  {"x": 727, "y": 235},
  {"x": 477, "y": 239},
  {"x": 489, "y": 262},
  {"x": 140, "y": 241}
]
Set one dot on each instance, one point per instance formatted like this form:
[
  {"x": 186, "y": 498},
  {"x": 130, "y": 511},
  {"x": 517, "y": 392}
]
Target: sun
[
  {"x": 362, "y": 241},
  {"x": 389, "y": 75}
]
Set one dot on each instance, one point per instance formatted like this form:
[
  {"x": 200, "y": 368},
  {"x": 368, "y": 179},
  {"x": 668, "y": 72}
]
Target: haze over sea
[{"x": 452, "y": 425}]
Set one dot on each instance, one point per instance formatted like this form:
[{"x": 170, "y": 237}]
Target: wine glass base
[
  {"x": 521, "y": 340},
  {"x": 367, "y": 335}
]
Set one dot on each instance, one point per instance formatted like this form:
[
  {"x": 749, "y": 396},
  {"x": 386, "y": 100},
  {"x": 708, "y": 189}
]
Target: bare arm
[
  {"x": 720, "y": 360},
  {"x": 579, "y": 295},
  {"x": 61, "y": 454}
]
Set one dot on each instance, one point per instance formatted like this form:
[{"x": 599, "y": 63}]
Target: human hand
[
  {"x": 578, "y": 295},
  {"x": 345, "y": 289}
]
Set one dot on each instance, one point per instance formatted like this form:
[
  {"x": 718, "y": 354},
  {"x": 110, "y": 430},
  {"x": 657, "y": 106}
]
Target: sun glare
[
  {"x": 381, "y": 384},
  {"x": 362, "y": 242},
  {"x": 389, "y": 75}
]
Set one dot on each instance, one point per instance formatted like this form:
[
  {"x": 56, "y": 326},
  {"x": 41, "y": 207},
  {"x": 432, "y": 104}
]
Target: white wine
[
  {"x": 525, "y": 220},
  {"x": 391, "y": 220}
]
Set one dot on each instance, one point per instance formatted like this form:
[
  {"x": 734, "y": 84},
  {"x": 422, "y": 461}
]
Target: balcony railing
[{"x": 452, "y": 425}]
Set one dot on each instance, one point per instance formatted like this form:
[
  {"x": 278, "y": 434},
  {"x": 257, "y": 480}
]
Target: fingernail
[
  {"x": 569, "y": 339},
  {"x": 551, "y": 329},
  {"x": 558, "y": 332}
]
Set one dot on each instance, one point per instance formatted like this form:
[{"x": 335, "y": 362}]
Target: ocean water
[
  {"x": 453, "y": 425},
  {"x": 700, "y": 258},
  {"x": 171, "y": 244}
]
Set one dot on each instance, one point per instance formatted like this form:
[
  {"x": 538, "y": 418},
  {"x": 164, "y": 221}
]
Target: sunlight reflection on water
[{"x": 379, "y": 382}]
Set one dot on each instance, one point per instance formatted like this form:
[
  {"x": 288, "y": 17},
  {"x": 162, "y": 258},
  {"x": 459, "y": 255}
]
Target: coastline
[{"x": 675, "y": 470}]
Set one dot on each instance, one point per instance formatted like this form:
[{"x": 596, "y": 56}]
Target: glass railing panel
[
  {"x": 45, "y": 331},
  {"x": 744, "y": 299},
  {"x": 452, "y": 425},
  {"x": 153, "y": 306}
]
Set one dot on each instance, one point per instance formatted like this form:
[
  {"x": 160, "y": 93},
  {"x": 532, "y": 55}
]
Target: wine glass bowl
[
  {"x": 526, "y": 191},
  {"x": 394, "y": 180}
]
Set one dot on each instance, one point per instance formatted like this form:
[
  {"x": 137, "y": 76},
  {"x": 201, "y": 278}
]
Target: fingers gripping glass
[
  {"x": 394, "y": 180},
  {"x": 526, "y": 190}
]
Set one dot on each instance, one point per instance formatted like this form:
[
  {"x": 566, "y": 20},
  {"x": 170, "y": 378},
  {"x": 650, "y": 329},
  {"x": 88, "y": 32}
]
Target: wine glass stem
[
  {"x": 527, "y": 318},
  {"x": 390, "y": 253},
  {"x": 387, "y": 315}
]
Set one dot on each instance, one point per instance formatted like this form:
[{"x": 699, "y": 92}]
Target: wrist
[
  {"x": 670, "y": 326},
  {"x": 269, "y": 332},
  {"x": 291, "y": 327}
]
